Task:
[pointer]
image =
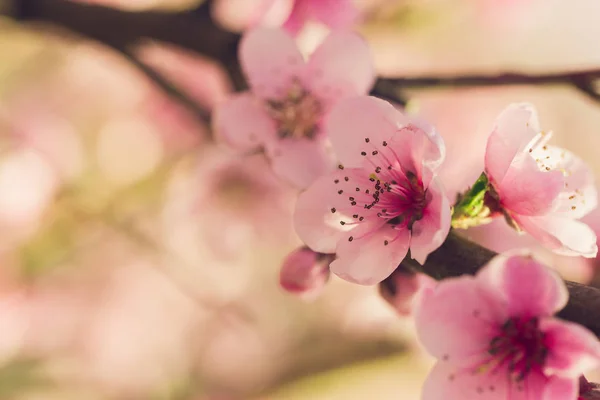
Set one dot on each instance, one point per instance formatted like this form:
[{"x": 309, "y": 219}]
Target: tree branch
[{"x": 458, "y": 256}]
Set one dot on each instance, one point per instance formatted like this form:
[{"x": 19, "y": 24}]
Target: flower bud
[
  {"x": 401, "y": 286},
  {"x": 305, "y": 272}
]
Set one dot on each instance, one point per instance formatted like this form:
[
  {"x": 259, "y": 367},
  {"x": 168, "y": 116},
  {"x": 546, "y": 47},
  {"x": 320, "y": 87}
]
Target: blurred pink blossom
[
  {"x": 226, "y": 204},
  {"x": 385, "y": 198},
  {"x": 495, "y": 335},
  {"x": 289, "y": 99},
  {"x": 541, "y": 189}
]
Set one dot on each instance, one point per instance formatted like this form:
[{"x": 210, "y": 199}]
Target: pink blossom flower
[
  {"x": 541, "y": 189},
  {"x": 495, "y": 336},
  {"x": 290, "y": 99},
  {"x": 385, "y": 198},
  {"x": 305, "y": 272}
]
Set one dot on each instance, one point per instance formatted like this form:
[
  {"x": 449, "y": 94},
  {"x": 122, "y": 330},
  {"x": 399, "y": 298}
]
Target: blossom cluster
[{"x": 371, "y": 197}]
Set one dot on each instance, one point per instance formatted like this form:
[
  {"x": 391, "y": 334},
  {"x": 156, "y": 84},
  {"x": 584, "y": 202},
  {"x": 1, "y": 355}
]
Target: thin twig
[{"x": 171, "y": 90}]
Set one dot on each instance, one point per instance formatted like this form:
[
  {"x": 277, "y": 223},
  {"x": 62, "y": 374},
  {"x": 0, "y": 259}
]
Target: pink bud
[
  {"x": 305, "y": 272},
  {"x": 400, "y": 288}
]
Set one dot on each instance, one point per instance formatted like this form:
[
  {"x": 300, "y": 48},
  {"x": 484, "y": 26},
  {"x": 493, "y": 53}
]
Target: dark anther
[
  {"x": 367, "y": 140},
  {"x": 384, "y": 143},
  {"x": 340, "y": 166},
  {"x": 333, "y": 210},
  {"x": 375, "y": 152},
  {"x": 350, "y": 239},
  {"x": 340, "y": 191},
  {"x": 385, "y": 242},
  {"x": 336, "y": 181},
  {"x": 363, "y": 153},
  {"x": 346, "y": 178}
]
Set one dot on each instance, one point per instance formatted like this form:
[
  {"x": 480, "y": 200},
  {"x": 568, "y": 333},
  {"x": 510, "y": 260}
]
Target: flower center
[
  {"x": 297, "y": 115},
  {"x": 399, "y": 200},
  {"x": 520, "y": 346}
]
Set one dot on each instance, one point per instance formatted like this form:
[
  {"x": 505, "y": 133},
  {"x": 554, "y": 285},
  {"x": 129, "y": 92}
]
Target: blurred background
[{"x": 140, "y": 260}]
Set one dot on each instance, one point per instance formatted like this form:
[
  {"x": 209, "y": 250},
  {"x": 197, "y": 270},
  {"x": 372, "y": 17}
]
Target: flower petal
[
  {"x": 298, "y": 17},
  {"x": 368, "y": 260},
  {"x": 561, "y": 235},
  {"x": 572, "y": 349},
  {"x": 560, "y": 389},
  {"x": 455, "y": 321},
  {"x": 243, "y": 123},
  {"x": 429, "y": 232},
  {"x": 516, "y": 126},
  {"x": 361, "y": 124},
  {"x": 447, "y": 381},
  {"x": 580, "y": 195},
  {"x": 429, "y": 146},
  {"x": 337, "y": 14},
  {"x": 300, "y": 161},
  {"x": 526, "y": 190},
  {"x": 342, "y": 66},
  {"x": 321, "y": 208},
  {"x": 271, "y": 61},
  {"x": 544, "y": 294}
]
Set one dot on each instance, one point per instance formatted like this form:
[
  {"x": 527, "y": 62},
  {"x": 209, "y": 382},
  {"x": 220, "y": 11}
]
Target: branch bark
[{"x": 459, "y": 256}]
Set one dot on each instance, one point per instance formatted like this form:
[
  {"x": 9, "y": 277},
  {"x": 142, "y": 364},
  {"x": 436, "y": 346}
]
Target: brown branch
[
  {"x": 458, "y": 256},
  {"x": 195, "y": 30}
]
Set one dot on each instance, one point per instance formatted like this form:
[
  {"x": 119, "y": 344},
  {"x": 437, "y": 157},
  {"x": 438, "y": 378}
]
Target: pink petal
[
  {"x": 300, "y": 161},
  {"x": 573, "y": 349},
  {"x": 271, "y": 61},
  {"x": 415, "y": 149},
  {"x": 243, "y": 123},
  {"x": 580, "y": 195},
  {"x": 337, "y": 14},
  {"x": 447, "y": 382},
  {"x": 342, "y": 66},
  {"x": 561, "y": 235},
  {"x": 430, "y": 231},
  {"x": 319, "y": 211},
  {"x": 560, "y": 389},
  {"x": 298, "y": 17},
  {"x": 526, "y": 190},
  {"x": 456, "y": 321},
  {"x": 515, "y": 127},
  {"x": 429, "y": 146},
  {"x": 544, "y": 294},
  {"x": 368, "y": 260},
  {"x": 361, "y": 124}
]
